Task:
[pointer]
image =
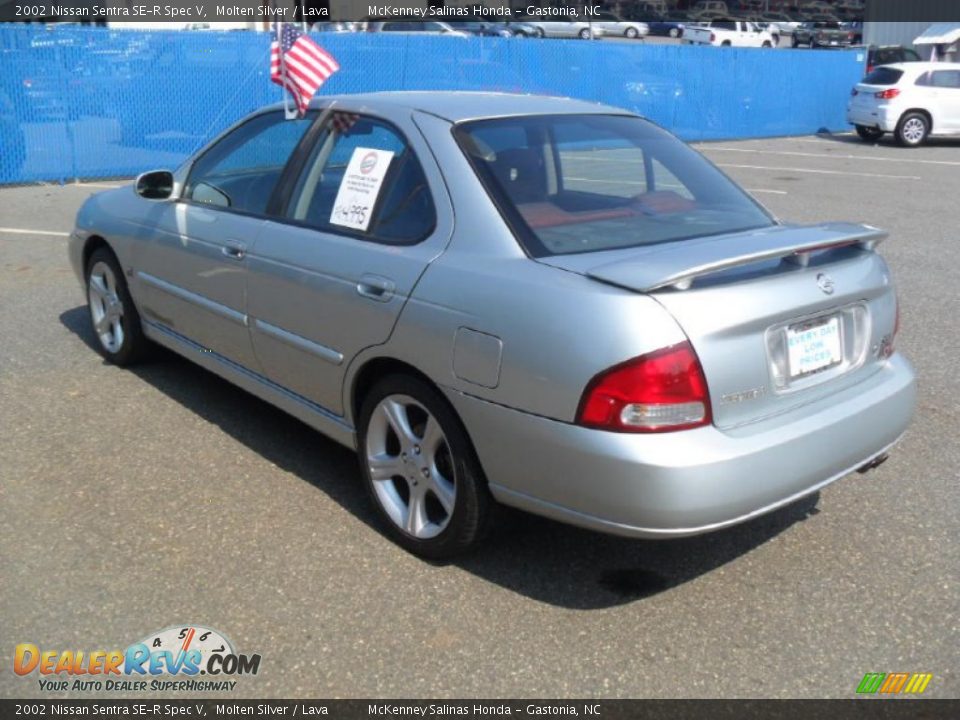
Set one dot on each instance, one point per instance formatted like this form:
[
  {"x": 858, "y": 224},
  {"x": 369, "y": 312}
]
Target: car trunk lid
[{"x": 779, "y": 317}]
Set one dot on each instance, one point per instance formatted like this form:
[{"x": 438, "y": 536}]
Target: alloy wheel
[
  {"x": 914, "y": 130},
  {"x": 411, "y": 466},
  {"x": 106, "y": 307}
]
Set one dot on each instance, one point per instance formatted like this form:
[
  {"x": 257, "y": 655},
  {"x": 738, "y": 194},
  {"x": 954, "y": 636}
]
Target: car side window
[
  {"x": 403, "y": 210},
  {"x": 945, "y": 78},
  {"x": 241, "y": 171}
]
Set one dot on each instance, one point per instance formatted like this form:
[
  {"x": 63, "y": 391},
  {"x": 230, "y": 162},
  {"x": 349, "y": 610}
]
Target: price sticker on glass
[{"x": 360, "y": 188}]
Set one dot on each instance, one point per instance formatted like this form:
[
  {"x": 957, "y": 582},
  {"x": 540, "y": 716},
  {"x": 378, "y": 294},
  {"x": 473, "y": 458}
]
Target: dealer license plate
[{"x": 813, "y": 346}]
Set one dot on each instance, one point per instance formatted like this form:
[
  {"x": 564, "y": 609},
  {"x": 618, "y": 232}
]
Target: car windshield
[
  {"x": 584, "y": 183},
  {"x": 883, "y": 76}
]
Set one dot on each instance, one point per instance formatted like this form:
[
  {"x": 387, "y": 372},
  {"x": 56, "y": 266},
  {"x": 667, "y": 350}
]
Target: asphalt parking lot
[{"x": 135, "y": 500}]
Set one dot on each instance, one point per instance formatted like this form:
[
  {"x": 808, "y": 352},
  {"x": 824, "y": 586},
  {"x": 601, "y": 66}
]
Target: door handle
[
  {"x": 376, "y": 287},
  {"x": 234, "y": 251}
]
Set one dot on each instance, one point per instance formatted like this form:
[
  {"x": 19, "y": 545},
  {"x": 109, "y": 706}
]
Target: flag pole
[{"x": 288, "y": 112}]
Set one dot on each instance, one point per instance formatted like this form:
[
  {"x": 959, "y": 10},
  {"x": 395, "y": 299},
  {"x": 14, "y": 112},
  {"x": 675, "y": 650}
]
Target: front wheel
[
  {"x": 766, "y": 44},
  {"x": 631, "y": 32},
  {"x": 674, "y": 32},
  {"x": 913, "y": 129},
  {"x": 540, "y": 33},
  {"x": 114, "y": 317},
  {"x": 420, "y": 469},
  {"x": 868, "y": 133},
  {"x": 585, "y": 34}
]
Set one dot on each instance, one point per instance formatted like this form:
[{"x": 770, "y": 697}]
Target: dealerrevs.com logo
[{"x": 169, "y": 660}]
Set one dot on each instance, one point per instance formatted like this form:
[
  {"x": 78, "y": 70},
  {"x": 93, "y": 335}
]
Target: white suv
[{"x": 911, "y": 100}]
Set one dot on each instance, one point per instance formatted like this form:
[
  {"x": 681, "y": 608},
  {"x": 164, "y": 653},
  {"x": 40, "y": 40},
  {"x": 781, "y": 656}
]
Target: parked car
[
  {"x": 538, "y": 301},
  {"x": 661, "y": 25},
  {"x": 784, "y": 22},
  {"x": 889, "y": 55},
  {"x": 522, "y": 29},
  {"x": 549, "y": 28},
  {"x": 411, "y": 26},
  {"x": 481, "y": 28},
  {"x": 913, "y": 100},
  {"x": 822, "y": 35},
  {"x": 729, "y": 33},
  {"x": 612, "y": 24},
  {"x": 715, "y": 6}
]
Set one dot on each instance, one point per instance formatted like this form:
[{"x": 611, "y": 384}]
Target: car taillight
[
  {"x": 662, "y": 391},
  {"x": 869, "y": 69},
  {"x": 887, "y": 94}
]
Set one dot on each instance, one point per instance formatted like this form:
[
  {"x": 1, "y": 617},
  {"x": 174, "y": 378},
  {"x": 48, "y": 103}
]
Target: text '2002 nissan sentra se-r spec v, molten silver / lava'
[{"x": 543, "y": 302}]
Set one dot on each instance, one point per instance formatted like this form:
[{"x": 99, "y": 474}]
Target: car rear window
[
  {"x": 883, "y": 76},
  {"x": 584, "y": 183}
]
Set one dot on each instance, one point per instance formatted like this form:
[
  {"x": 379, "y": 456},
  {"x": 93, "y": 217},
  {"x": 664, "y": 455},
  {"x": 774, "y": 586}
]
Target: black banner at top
[
  {"x": 311, "y": 11},
  {"x": 260, "y": 12}
]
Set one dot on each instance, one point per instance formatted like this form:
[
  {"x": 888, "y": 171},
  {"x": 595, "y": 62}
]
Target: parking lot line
[
  {"x": 820, "y": 172},
  {"x": 831, "y": 156},
  {"x": 21, "y": 231}
]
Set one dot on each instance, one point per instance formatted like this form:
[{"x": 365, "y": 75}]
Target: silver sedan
[{"x": 541, "y": 302}]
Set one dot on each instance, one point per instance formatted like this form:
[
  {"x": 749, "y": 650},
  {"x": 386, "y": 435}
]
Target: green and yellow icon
[{"x": 899, "y": 683}]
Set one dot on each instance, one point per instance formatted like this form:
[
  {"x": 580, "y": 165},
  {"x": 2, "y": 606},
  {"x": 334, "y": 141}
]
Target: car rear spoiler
[{"x": 679, "y": 266}]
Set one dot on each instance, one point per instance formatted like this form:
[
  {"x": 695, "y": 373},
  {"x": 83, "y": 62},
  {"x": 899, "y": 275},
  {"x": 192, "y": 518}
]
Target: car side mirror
[{"x": 154, "y": 185}]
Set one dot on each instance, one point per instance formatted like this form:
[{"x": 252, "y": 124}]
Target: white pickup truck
[{"x": 728, "y": 33}]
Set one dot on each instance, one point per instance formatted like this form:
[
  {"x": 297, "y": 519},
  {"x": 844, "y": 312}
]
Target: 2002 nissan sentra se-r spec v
[{"x": 538, "y": 301}]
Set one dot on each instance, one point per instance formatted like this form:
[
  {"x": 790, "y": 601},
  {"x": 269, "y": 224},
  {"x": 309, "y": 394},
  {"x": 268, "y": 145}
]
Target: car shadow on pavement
[
  {"x": 888, "y": 140},
  {"x": 544, "y": 560}
]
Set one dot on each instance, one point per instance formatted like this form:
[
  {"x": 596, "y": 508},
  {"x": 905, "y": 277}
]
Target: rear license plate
[{"x": 814, "y": 345}]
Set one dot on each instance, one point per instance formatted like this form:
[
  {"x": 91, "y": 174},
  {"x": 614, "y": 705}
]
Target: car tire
[
  {"x": 420, "y": 470},
  {"x": 912, "y": 129},
  {"x": 116, "y": 324},
  {"x": 767, "y": 44},
  {"x": 584, "y": 34},
  {"x": 540, "y": 33},
  {"x": 726, "y": 43},
  {"x": 631, "y": 32},
  {"x": 674, "y": 32},
  {"x": 794, "y": 42},
  {"x": 868, "y": 133}
]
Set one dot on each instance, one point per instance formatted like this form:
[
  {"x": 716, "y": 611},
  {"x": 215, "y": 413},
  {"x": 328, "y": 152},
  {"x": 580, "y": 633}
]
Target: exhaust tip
[{"x": 875, "y": 463}]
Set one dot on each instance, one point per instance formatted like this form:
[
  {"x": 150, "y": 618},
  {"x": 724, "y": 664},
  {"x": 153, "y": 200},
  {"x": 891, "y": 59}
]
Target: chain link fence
[{"x": 86, "y": 102}]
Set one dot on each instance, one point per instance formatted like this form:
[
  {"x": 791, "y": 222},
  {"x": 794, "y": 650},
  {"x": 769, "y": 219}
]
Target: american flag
[{"x": 299, "y": 64}]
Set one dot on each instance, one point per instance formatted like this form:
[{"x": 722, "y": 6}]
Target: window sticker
[{"x": 360, "y": 188}]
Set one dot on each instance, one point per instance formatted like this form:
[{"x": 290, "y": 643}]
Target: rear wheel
[
  {"x": 767, "y": 44},
  {"x": 114, "y": 317},
  {"x": 868, "y": 133},
  {"x": 674, "y": 32},
  {"x": 631, "y": 32},
  {"x": 913, "y": 129},
  {"x": 794, "y": 42},
  {"x": 540, "y": 33},
  {"x": 726, "y": 43},
  {"x": 420, "y": 470},
  {"x": 585, "y": 34}
]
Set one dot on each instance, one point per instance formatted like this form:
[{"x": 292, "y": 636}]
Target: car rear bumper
[
  {"x": 690, "y": 482},
  {"x": 878, "y": 117}
]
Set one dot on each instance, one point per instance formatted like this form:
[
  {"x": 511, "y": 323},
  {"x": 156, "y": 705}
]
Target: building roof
[{"x": 939, "y": 34}]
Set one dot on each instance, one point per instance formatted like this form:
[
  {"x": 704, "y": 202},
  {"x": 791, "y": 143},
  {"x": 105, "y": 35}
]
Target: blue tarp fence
[{"x": 86, "y": 102}]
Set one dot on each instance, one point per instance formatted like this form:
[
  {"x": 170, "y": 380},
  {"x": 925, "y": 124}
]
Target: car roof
[
  {"x": 923, "y": 66},
  {"x": 458, "y": 106}
]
